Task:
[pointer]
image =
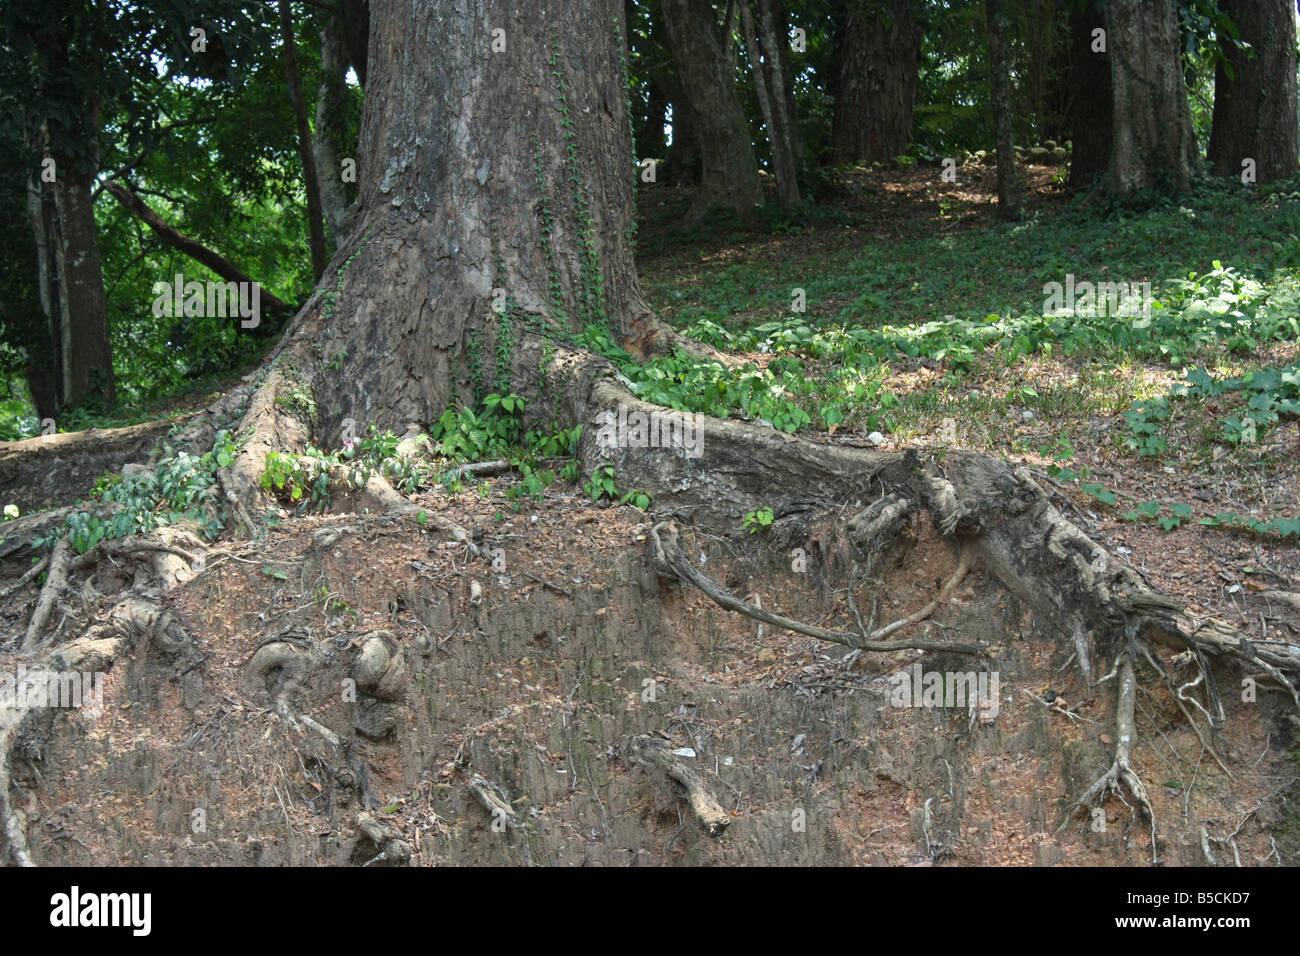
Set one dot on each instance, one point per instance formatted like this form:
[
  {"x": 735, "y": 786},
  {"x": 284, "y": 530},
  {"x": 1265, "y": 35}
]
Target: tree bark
[
  {"x": 1091, "y": 102},
  {"x": 1255, "y": 107},
  {"x": 1000, "y": 80},
  {"x": 769, "y": 83},
  {"x": 874, "y": 60},
  {"x": 62, "y": 218},
  {"x": 728, "y": 169},
  {"x": 310, "y": 181},
  {"x": 1153, "y": 146},
  {"x": 495, "y": 197},
  {"x": 330, "y": 142}
]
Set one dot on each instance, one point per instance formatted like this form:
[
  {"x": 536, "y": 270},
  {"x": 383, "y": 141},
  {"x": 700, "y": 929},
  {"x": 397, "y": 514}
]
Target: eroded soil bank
[{"x": 520, "y": 676}]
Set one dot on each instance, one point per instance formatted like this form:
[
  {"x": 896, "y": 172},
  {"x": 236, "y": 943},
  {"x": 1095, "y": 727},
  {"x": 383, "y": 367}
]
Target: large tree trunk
[
  {"x": 874, "y": 60},
  {"x": 1091, "y": 103},
  {"x": 728, "y": 169},
  {"x": 1255, "y": 107},
  {"x": 495, "y": 200},
  {"x": 1153, "y": 146}
]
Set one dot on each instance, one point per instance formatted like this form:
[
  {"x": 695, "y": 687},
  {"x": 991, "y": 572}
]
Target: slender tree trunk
[
  {"x": 1000, "y": 78},
  {"x": 1091, "y": 102},
  {"x": 1153, "y": 146},
  {"x": 1255, "y": 107},
  {"x": 330, "y": 143},
  {"x": 311, "y": 183},
  {"x": 769, "y": 83},
  {"x": 874, "y": 60},
  {"x": 728, "y": 169},
  {"x": 652, "y": 140},
  {"x": 71, "y": 283}
]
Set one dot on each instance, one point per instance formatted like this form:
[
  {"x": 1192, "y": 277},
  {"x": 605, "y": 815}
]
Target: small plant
[
  {"x": 759, "y": 519},
  {"x": 601, "y": 484},
  {"x": 1167, "y": 517},
  {"x": 637, "y": 499}
]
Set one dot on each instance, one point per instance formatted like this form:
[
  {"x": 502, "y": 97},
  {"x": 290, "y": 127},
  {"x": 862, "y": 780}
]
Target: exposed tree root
[
  {"x": 32, "y": 573},
  {"x": 993, "y": 517},
  {"x": 669, "y": 560},
  {"x": 55, "y": 583},
  {"x": 658, "y": 753},
  {"x": 1121, "y": 769}
]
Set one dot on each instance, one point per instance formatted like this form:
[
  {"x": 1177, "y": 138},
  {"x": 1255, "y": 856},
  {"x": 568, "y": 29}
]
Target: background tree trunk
[
  {"x": 764, "y": 48},
  {"x": 1091, "y": 102},
  {"x": 1000, "y": 80},
  {"x": 330, "y": 141},
  {"x": 877, "y": 48},
  {"x": 1255, "y": 110},
  {"x": 728, "y": 169},
  {"x": 310, "y": 181},
  {"x": 1153, "y": 144},
  {"x": 71, "y": 282}
]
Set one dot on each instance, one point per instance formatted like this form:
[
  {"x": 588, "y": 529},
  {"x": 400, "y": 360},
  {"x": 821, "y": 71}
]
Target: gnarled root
[
  {"x": 1121, "y": 769},
  {"x": 668, "y": 559},
  {"x": 653, "y": 752}
]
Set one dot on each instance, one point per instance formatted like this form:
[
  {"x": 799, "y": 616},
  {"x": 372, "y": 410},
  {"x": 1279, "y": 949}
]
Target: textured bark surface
[
  {"x": 1153, "y": 145},
  {"x": 1255, "y": 110},
  {"x": 330, "y": 143},
  {"x": 728, "y": 168},
  {"x": 496, "y": 196},
  {"x": 874, "y": 61},
  {"x": 762, "y": 44},
  {"x": 62, "y": 218},
  {"x": 1000, "y": 78}
]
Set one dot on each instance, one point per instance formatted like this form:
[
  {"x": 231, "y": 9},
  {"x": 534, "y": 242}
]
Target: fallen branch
[{"x": 654, "y": 752}]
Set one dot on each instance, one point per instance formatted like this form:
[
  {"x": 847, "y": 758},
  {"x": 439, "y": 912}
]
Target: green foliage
[
  {"x": 601, "y": 484},
  {"x": 180, "y": 488},
  {"x": 637, "y": 499},
  {"x": 305, "y": 480},
  {"x": 759, "y": 519},
  {"x": 1167, "y": 515},
  {"x": 492, "y": 432}
]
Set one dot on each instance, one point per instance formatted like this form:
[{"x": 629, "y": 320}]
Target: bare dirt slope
[{"x": 499, "y": 702}]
